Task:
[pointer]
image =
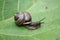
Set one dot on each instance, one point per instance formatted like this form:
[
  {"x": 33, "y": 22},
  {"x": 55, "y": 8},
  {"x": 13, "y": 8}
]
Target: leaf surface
[{"x": 49, "y": 30}]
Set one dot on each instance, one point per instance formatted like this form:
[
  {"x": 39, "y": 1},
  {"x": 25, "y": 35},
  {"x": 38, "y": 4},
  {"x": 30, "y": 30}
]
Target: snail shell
[{"x": 22, "y": 18}]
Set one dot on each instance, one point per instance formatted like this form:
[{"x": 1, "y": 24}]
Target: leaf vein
[{"x": 3, "y": 10}]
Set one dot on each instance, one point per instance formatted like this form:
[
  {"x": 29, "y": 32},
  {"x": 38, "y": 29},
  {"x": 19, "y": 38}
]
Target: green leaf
[{"x": 49, "y": 30}]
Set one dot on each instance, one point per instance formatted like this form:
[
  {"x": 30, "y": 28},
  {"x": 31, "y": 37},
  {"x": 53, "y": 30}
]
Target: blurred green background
[{"x": 50, "y": 9}]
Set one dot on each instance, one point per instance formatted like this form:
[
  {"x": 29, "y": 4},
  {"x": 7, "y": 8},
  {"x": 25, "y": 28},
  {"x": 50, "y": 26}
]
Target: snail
[{"x": 25, "y": 19}]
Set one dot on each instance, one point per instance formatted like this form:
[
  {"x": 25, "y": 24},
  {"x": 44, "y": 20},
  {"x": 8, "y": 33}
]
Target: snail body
[{"x": 34, "y": 25}]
